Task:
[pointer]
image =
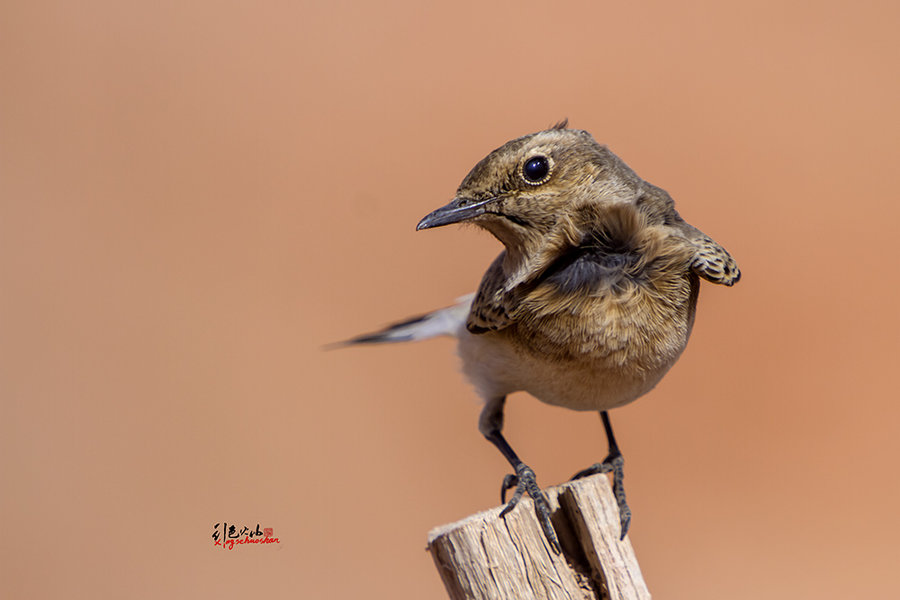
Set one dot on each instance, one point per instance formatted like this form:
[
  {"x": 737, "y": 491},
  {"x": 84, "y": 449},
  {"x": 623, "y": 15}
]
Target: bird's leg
[
  {"x": 615, "y": 464},
  {"x": 523, "y": 480}
]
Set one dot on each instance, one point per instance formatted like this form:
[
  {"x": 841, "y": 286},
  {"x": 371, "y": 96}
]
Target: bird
[{"x": 590, "y": 302}]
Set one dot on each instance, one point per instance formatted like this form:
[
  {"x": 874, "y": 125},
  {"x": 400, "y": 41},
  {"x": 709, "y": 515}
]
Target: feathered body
[{"x": 598, "y": 328}]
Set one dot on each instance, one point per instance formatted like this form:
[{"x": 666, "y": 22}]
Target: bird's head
[{"x": 534, "y": 191}]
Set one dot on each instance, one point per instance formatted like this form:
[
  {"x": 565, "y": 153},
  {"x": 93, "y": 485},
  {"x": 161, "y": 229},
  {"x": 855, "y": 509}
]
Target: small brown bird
[{"x": 590, "y": 303}]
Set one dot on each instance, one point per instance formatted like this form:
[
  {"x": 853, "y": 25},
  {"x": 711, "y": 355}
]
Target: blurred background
[{"x": 196, "y": 197}]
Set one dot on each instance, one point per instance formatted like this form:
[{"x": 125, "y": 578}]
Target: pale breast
[{"x": 497, "y": 368}]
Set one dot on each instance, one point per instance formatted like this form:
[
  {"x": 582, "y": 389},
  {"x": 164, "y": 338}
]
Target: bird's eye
[{"x": 536, "y": 170}]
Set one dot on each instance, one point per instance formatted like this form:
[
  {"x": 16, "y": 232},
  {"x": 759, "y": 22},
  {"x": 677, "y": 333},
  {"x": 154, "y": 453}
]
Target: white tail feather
[{"x": 445, "y": 321}]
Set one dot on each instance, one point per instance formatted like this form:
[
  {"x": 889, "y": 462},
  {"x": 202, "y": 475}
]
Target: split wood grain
[{"x": 485, "y": 557}]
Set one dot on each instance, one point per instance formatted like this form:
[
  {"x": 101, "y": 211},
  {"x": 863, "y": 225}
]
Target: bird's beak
[{"x": 459, "y": 209}]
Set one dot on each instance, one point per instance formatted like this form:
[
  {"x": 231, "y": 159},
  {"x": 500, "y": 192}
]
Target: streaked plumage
[{"x": 591, "y": 301}]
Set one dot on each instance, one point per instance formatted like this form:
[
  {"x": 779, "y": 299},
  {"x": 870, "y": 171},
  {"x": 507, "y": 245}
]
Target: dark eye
[{"x": 536, "y": 170}]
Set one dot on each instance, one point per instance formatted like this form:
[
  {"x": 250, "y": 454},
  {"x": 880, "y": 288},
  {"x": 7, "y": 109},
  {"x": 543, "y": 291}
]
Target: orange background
[{"x": 196, "y": 197}]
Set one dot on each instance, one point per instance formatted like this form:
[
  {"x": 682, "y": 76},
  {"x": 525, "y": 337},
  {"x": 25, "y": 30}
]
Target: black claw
[
  {"x": 591, "y": 470},
  {"x": 525, "y": 481},
  {"x": 509, "y": 482},
  {"x": 616, "y": 466},
  {"x": 619, "y": 492}
]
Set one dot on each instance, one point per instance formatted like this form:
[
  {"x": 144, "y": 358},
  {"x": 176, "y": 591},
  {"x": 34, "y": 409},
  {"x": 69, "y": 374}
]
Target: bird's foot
[
  {"x": 616, "y": 466},
  {"x": 524, "y": 481}
]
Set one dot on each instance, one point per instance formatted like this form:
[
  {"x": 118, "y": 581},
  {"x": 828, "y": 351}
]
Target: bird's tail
[{"x": 446, "y": 321}]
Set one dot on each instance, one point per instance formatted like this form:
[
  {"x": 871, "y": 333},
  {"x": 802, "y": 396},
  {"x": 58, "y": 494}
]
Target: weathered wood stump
[{"x": 486, "y": 557}]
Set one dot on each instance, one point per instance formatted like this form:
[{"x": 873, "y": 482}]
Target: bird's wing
[
  {"x": 711, "y": 261},
  {"x": 493, "y": 304}
]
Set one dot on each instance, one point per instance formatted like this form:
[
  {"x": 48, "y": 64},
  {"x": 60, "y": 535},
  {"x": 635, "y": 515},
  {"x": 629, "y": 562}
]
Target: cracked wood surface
[{"x": 486, "y": 557}]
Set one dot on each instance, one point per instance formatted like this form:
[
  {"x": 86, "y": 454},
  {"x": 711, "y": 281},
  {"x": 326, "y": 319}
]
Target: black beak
[{"x": 459, "y": 209}]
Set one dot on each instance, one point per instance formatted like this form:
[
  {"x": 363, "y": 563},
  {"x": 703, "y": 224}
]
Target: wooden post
[{"x": 486, "y": 557}]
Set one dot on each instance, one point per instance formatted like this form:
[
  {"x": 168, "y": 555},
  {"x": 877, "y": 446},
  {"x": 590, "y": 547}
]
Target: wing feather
[{"x": 711, "y": 261}]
